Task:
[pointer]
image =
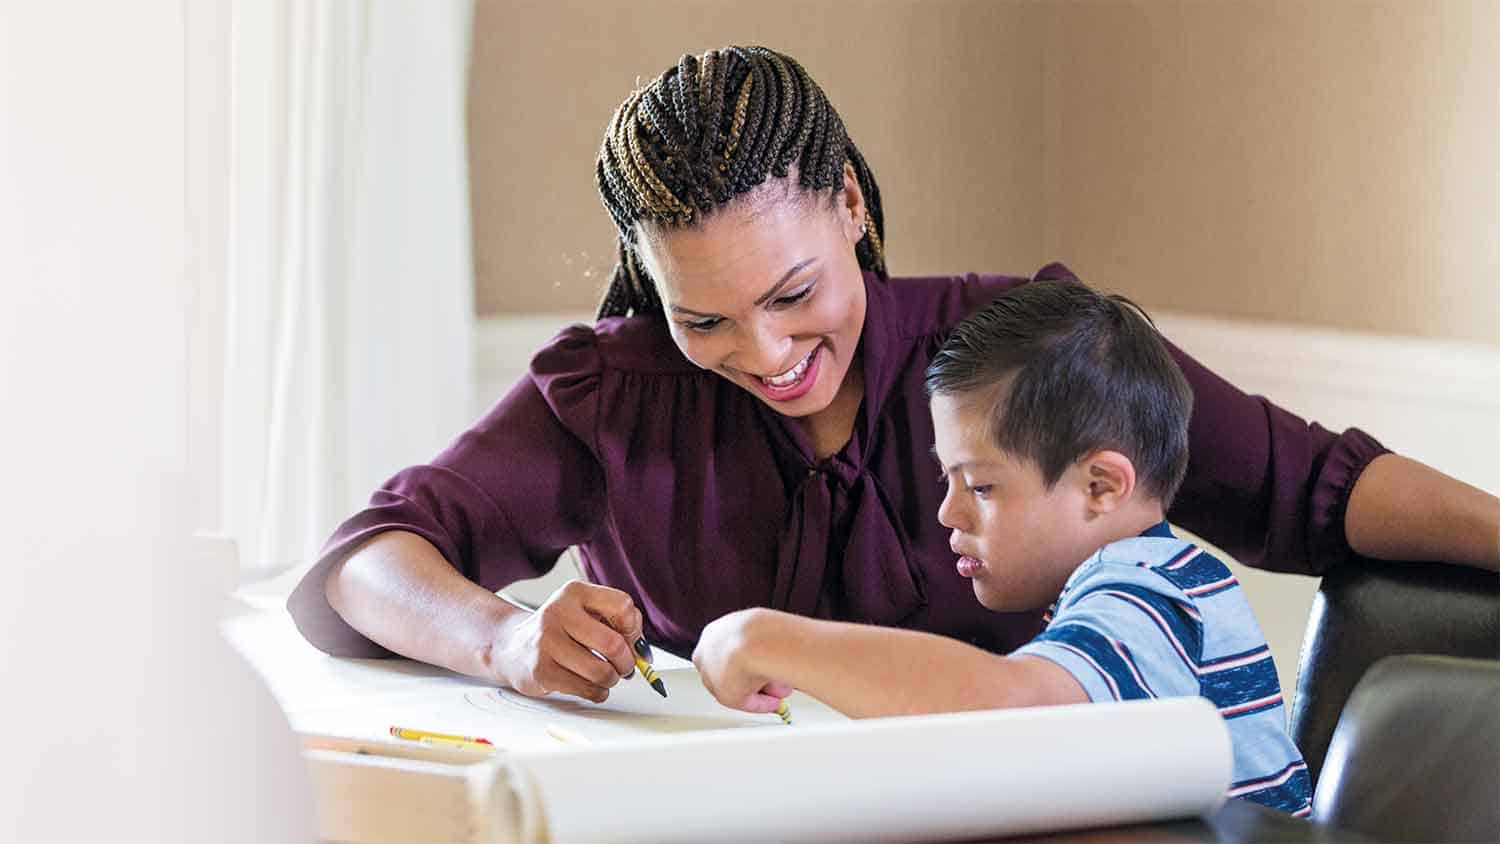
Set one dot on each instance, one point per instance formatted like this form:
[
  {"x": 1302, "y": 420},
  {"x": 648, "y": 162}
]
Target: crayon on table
[{"x": 442, "y": 739}]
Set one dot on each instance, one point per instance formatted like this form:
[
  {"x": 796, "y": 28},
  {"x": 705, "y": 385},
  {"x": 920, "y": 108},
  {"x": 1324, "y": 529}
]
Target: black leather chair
[
  {"x": 1373, "y": 609},
  {"x": 1416, "y": 755}
]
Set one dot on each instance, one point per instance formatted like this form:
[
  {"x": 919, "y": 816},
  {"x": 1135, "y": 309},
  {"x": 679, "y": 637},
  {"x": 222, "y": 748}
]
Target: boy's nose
[{"x": 948, "y": 515}]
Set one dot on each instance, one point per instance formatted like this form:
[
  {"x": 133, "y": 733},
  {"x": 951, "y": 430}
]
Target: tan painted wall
[
  {"x": 1330, "y": 163},
  {"x": 944, "y": 99}
]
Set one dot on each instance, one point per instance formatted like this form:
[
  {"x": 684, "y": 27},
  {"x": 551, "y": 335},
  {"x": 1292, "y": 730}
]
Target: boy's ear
[{"x": 1111, "y": 480}]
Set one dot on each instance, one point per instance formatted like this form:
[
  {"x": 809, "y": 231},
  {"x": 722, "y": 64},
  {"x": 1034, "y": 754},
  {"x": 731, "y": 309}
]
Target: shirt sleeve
[
  {"x": 500, "y": 503},
  {"x": 1124, "y": 633},
  {"x": 1262, "y": 484}
]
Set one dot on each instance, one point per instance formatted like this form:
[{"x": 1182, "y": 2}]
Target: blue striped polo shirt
[{"x": 1154, "y": 616}]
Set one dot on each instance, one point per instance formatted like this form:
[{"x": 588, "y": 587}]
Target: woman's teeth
[{"x": 791, "y": 376}]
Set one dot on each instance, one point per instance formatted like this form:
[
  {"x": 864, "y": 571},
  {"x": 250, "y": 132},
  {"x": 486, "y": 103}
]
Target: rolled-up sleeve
[
  {"x": 500, "y": 503},
  {"x": 1264, "y": 485}
]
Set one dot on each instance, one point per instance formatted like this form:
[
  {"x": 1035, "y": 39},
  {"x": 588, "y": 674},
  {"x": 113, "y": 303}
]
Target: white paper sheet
[
  {"x": 687, "y": 770},
  {"x": 938, "y": 777},
  {"x": 363, "y": 699}
]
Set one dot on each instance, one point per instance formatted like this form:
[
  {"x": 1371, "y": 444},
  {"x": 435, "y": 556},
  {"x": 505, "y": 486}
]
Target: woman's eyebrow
[
  {"x": 796, "y": 268},
  {"x": 764, "y": 297},
  {"x": 678, "y": 309}
]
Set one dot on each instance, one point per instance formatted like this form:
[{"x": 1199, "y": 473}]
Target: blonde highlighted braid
[{"x": 708, "y": 130}]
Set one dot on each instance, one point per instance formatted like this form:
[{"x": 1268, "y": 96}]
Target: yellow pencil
[
  {"x": 442, "y": 739},
  {"x": 785, "y": 712}
]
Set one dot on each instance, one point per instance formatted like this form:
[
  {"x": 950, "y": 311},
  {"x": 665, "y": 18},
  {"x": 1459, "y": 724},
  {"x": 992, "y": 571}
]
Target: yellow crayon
[
  {"x": 442, "y": 739},
  {"x": 642, "y": 650},
  {"x": 785, "y": 712}
]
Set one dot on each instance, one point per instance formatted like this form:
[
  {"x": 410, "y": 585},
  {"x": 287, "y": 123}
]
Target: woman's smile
[{"x": 795, "y": 382}]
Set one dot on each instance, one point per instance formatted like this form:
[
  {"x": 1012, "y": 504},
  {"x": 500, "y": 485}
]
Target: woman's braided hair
[{"x": 707, "y": 131}]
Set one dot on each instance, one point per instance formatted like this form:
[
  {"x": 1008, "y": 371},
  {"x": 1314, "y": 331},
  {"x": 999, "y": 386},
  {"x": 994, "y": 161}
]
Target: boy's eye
[{"x": 982, "y": 490}]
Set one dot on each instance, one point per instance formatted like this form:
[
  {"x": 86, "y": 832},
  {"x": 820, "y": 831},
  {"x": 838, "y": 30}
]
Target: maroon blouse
[{"x": 697, "y": 499}]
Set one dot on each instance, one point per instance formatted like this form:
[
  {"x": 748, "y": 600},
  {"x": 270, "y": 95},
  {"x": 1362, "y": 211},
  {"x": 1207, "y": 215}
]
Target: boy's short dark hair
[{"x": 1070, "y": 370}]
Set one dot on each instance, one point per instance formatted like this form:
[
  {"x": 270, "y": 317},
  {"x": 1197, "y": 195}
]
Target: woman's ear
[
  {"x": 851, "y": 206},
  {"x": 1111, "y": 480}
]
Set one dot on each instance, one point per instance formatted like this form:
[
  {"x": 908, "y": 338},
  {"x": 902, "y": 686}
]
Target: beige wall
[
  {"x": 944, "y": 99},
  {"x": 1330, "y": 163}
]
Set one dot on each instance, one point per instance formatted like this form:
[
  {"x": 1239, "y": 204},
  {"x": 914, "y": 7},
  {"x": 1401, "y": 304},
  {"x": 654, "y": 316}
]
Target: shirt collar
[
  {"x": 1159, "y": 529},
  {"x": 878, "y": 340}
]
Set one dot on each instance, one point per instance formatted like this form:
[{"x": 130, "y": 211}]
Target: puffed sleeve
[
  {"x": 500, "y": 503},
  {"x": 1264, "y": 485}
]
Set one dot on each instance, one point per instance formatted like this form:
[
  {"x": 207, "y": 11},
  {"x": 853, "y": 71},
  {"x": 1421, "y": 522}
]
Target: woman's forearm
[
  {"x": 399, "y": 591},
  {"x": 1400, "y": 509}
]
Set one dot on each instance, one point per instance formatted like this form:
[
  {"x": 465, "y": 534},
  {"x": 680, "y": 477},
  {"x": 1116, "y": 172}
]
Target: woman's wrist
[{"x": 499, "y": 622}]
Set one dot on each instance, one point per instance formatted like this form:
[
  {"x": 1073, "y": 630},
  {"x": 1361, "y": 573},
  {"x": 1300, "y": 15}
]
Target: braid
[
  {"x": 737, "y": 122},
  {"x": 806, "y": 117},
  {"x": 786, "y": 117},
  {"x": 743, "y": 166},
  {"x": 871, "y": 249},
  {"x": 712, "y": 128},
  {"x": 630, "y": 289},
  {"x": 685, "y": 100},
  {"x": 710, "y": 98}
]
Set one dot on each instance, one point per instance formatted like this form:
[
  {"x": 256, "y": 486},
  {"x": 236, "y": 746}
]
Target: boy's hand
[{"x": 730, "y": 659}]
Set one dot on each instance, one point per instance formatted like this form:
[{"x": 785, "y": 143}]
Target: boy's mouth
[{"x": 969, "y": 566}]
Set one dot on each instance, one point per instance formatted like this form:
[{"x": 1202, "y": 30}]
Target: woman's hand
[
  {"x": 728, "y": 658},
  {"x": 577, "y": 643}
]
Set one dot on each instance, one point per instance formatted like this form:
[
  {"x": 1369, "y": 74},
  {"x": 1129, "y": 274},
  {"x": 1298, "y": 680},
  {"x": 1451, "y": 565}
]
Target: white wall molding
[
  {"x": 1436, "y": 401},
  {"x": 1448, "y": 373},
  {"x": 504, "y": 345}
]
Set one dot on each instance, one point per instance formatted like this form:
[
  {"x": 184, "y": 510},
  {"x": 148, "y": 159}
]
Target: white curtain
[{"x": 350, "y": 304}]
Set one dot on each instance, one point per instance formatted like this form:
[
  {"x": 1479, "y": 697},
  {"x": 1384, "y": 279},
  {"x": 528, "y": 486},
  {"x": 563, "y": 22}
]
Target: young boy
[{"x": 1061, "y": 428}]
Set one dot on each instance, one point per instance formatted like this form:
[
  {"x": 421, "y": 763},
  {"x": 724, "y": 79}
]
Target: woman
[{"x": 745, "y": 425}]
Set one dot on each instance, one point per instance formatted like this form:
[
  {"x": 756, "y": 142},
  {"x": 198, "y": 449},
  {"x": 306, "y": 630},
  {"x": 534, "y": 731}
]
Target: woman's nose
[{"x": 763, "y": 351}]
